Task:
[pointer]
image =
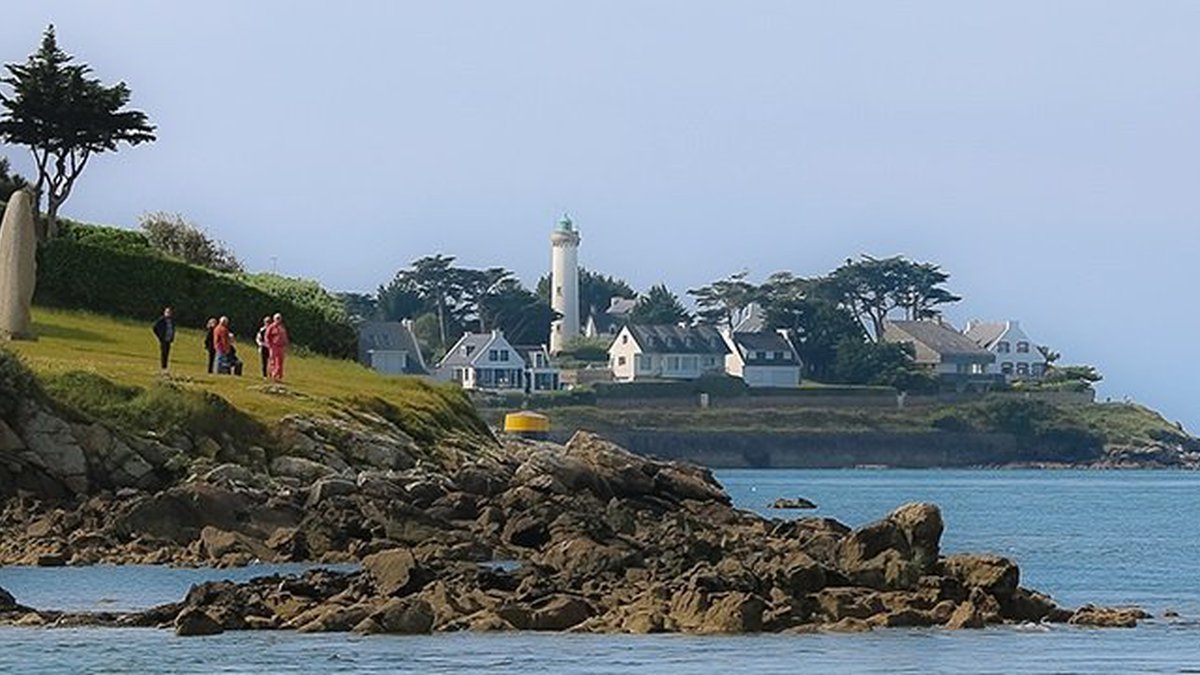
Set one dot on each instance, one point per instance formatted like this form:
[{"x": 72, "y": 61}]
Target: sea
[{"x": 1108, "y": 537}]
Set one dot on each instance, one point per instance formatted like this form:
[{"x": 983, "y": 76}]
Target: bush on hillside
[
  {"x": 78, "y": 275},
  {"x": 113, "y": 238},
  {"x": 180, "y": 238}
]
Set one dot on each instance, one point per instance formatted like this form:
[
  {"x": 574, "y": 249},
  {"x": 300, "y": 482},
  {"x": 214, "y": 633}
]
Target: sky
[{"x": 1046, "y": 153}]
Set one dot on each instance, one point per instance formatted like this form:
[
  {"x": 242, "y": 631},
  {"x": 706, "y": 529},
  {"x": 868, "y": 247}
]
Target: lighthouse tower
[{"x": 564, "y": 283}]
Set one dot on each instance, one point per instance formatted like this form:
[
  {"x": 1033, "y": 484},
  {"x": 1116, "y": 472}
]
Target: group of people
[{"x": 219, "y": 343}]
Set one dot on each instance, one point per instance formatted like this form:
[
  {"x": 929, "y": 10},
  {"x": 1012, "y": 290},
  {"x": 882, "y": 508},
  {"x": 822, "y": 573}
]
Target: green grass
[{"x": 108, "y": 368}]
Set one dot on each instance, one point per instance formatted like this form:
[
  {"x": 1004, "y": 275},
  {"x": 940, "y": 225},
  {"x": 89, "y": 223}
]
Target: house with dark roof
[
  {"x": 947, "y": 353},
  {"x": 762, "y": 359},
  {"x": 390, "y": 347},
  {"x": 666, "y": 352},
  {"x": 540, "y": 372},
  {"x": 1017, "y": 357}
]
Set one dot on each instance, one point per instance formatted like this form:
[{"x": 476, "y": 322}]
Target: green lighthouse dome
[{"x": 565, "y": 224}]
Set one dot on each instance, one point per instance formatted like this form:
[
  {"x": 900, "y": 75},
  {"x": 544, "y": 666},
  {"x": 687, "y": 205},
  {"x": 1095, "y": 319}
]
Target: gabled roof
[
  {"x": 768, "y": 342},
  {"x": 668, "y": 339},
  {"x": 391, "y": 336},
  {"x": 751, "y": 319},
  {"x": 941, "y": 339},
  {"x": 466, "y": 349},
  {"x": 985, "y": 333}
]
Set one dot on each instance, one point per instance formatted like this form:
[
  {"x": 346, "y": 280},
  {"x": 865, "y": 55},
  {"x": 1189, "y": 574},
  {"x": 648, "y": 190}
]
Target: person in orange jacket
[{"x": 277, "y": 344}]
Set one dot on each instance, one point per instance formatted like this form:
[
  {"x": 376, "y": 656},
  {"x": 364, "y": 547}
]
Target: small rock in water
[{"x": 796, "y": 503}]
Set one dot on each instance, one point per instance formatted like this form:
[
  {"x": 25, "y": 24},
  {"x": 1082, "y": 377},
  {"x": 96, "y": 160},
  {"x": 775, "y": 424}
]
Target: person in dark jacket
[
  {"x": 210, "y": 345},
  {"x": 164, "y": 330}
]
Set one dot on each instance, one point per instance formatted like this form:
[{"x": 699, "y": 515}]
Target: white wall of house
[
  {"x": 1017, "y": 356},
  {"x": 388, "y": 361},
  {"x": 771, "y": 376},
  {"x": 625, "y": 358}
]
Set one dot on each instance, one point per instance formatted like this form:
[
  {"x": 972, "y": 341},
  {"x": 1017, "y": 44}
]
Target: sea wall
[{"x": 821, "y": 450}]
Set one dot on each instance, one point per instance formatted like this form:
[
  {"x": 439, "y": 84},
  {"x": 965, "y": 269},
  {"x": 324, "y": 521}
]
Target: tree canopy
[
  {"x": 871, "y": 288},
  {"x": 178, "y": 237},
  {"x": 659, "y": 306},
  {"x": 64, "y": 116},
  {"x": 720, "y": 301},
  {"x": 9, "y": 182}
]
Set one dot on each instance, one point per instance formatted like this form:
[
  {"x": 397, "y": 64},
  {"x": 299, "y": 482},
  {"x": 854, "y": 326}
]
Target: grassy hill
[{"x": 108, "y": 368}]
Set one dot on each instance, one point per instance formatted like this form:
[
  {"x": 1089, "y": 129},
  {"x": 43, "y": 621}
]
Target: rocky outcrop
[{"x": 584, "y": 537}]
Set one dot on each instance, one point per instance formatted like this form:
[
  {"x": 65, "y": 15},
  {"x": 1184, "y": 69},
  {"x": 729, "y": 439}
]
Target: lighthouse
[{"x": 564, "y": 283}]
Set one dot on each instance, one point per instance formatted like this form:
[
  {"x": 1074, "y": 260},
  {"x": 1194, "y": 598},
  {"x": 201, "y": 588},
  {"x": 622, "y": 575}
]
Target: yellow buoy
[{"x": 527, "y": 424}]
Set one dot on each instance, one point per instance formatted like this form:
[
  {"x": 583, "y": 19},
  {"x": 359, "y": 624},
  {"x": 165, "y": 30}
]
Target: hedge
[{"x": 106, "y": 279}]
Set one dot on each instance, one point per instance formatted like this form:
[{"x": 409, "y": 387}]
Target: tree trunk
[{"x": 51, "y": 225}]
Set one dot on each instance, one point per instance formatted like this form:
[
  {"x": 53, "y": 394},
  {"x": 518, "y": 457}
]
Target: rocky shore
[{"x": 469, "y": 534}]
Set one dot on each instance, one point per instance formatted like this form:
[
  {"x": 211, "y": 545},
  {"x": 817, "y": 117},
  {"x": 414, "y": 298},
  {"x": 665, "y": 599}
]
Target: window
[
  {"x": 624, "y": 339},
  {"x": 1022, "y": 347},
  {"x": 503, "y": 354},
  {"x": 781, "y": 356},
  {"x": 1022, "y": 369},
  {"x": 977, "y": 368},
  {"x": 558, "y": 291},
  {"x": 493, "y": 355},
  {"x": 1002, "y": 347},
  {"x": 458, "y": 374},
  {"x": 620, "y": 360},
  {"x": 1037, "y": 369},
  {"x": 760, "y": 356},
  {"x": 691, "y": 363},
  {"x": 1006, "y": 368},
  {"x": 469, "y": 350},
  {"x": 672, "y": 363},
  {"x": 647, "y": 362}
]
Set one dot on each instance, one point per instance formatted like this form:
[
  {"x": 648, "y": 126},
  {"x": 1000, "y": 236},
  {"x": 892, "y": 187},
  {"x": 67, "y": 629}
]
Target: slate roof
[
  {"x": 985, "y": 333},
  {"x": 667, "y": 339},
  {"x": 947, "y": 342},
  {"x": 392, "y": 336},
  {"x": 457, "y": 356},
  {"x": 765, "y": 341}
]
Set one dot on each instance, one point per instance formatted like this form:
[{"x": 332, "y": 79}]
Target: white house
[
  {"x": 390, "y": 347},
  {"x": 1017, "y": 356},
  {"x": 762, "y": 359},
  {"x": 540, "y": 372},
  {"x": 484, "y": 361},
  {"x": 666, "y": 352}
]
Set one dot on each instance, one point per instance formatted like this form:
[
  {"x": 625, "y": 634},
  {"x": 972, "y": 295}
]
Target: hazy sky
[{"x": 1046, "y": 154}]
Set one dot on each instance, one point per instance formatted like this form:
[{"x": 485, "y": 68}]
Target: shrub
[
  {"x": 113, "y": 238},
  {"x": 78, "y": 275},
  {"x": 17, "y": 383},
  {"x": 175, "y": 236}
]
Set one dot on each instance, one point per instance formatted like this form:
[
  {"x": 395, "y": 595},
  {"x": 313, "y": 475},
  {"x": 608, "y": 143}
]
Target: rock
[
  {"x": 734, "y": 613},
  {"x": 966, "y": 615},
  {"x": 334, "y": 619},
  {"x": 792, "y": 503},
  {"x": 330, "y": 487},
  {"x": 53, "y": 442},
  {"x": 922, "y": 526},
  {"x": 526, "y": 531},
  {"x": 1107, "y": 617},
  {"x": 304, "y": 470},
  {"x": 233, "y": 475},
  {"x": 559, "y": 612},
  {"x": 193, "y": 621},
  {"x": 7, "y": 601},
  {"x": 180, "y": 513},
  {"x": 9, "y": 440},
  {"x": 994, "y": 574},
  {"x": 1027, "y": 605},
  {"x": 849, "y": 625},
  {"x": 217, "y": 543},
  {"x": 836, "y": 604},
  {"x": 406, "y": 616},
  {"x": 18, "y": 267},
  {"x": 395, "y": 571}
]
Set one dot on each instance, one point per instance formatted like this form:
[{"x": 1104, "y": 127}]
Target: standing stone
[{"x": 18, "y": 268}]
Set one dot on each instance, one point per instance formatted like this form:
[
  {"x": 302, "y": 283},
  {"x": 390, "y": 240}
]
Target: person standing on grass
[
  {"x": 221, "y": 342},
  {"x": 209, "y": 345},
  {"x": 277, "y": 343},
  {"x": 164, "y": 330},
  {"x": 264, "y": 350}
]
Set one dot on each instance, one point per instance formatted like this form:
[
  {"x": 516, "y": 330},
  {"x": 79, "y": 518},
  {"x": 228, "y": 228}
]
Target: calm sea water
[{"x": 1109, "y": 537}]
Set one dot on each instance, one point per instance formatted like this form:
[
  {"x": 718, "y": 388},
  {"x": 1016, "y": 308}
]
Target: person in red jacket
[
  {"x": 222, "y": 339},
  {"x": 277, "y": 344}
]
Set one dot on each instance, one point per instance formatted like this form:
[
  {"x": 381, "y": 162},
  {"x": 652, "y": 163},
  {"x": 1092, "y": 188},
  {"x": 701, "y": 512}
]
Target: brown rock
[
  {"x": 1107, "y": 617},
  {"x": 734, "y": 613},
  {"x": 994, "y": 574},
  {"x": 836, "y": 604},
  {"x": 395, "y": 571},
  {"x": 559, "y": 612},
  {"x": 194, "y": 621},
  {"x": 922, "y": 526},
  {"x": 217, "y": 544},
  {"x": 849, "y": 625},
  {"x": 966, "y": 615},
  {"x": 406, "y": 616}
]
